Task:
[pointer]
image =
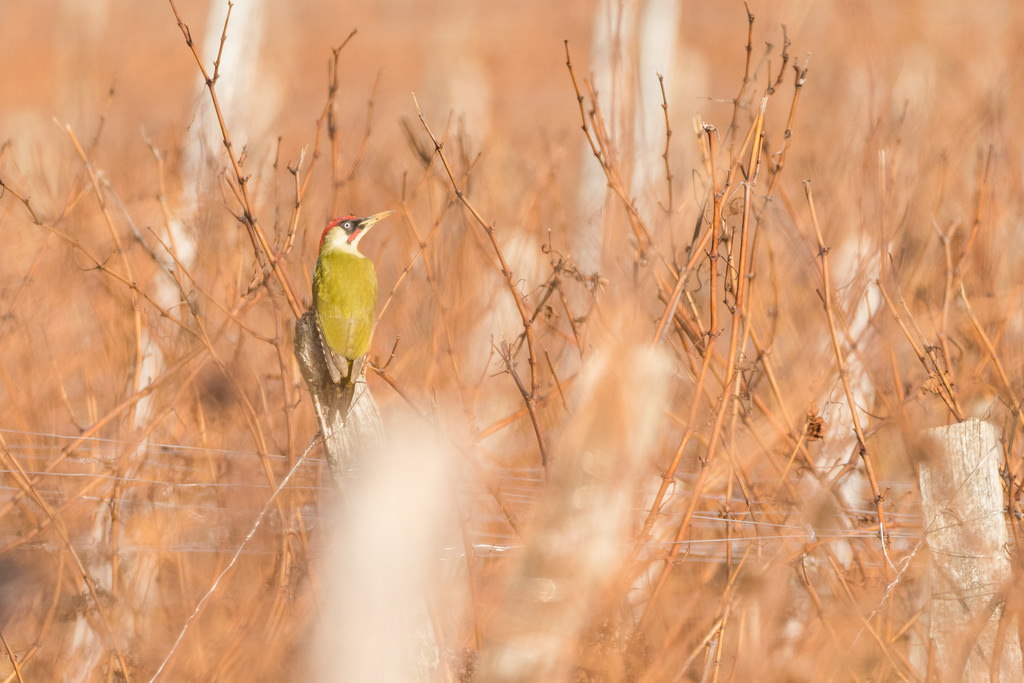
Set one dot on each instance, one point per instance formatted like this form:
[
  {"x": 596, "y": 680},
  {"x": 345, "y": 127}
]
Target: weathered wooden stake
[
  {"x": 965, "y": 526},
  {"x": 352, "y": 432},
  {"x": 348, "y": 416}
]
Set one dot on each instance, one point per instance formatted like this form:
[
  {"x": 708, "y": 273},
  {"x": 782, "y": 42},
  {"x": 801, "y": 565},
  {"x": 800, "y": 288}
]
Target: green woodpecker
[{"x": 345, "y": 295}]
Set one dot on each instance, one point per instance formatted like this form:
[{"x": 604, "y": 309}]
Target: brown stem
[
  {"x": 529, "y": 393},
  {"x": 844, "y": 372},
  {"x": 261, "y": 246}
]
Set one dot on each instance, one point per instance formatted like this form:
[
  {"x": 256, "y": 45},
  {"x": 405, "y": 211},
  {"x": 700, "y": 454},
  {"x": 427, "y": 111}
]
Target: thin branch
[
  {"x": 529, "y": 393},
  {"x": 234, "y": 558},
  {"x": 91, "y": 592},
  {"x": 668, "y": 139},
  {"x": 844, "y": 372},
  {"x": 261, "y": 246},
  {"x": 737, "y": 101}
]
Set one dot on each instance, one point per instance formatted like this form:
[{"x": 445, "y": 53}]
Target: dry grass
[{"x": 641, "y": 488}]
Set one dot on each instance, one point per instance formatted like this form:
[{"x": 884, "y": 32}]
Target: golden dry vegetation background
[{"x": 652, "y": 468}]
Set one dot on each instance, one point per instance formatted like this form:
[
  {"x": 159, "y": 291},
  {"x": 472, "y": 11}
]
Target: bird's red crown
[{"x": 333, "y": 224}]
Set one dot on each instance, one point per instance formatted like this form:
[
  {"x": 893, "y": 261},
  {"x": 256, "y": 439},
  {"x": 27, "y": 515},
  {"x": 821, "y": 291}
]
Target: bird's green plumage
[{"x": 345, "y": 299}]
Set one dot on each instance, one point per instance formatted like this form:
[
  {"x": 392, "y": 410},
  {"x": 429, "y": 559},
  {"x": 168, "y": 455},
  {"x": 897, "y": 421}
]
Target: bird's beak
[
  {"x": 370, "y": 221},
  {"x": 365, "y": 224}
]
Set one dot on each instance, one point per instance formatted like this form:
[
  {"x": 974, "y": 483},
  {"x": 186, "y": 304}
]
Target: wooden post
[
  {"x": 965, "y": 527},
  {"x": 348, "y": 416},
  {"x": 352, "y": 431}
]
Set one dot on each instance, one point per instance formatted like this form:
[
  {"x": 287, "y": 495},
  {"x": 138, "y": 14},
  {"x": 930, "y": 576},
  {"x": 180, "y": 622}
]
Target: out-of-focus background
[{"x": 641, "y": 481}]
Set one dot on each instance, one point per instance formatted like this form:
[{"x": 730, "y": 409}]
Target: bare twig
[
  {"x": 844, "y": 372},
  {"x": 529, "y": 393},
  {"x": 738, "y": 100},
  {"x": 731, "y": 385},
  {"x": 668, "y": 139},
  {"x": 13, "y": 659},
  {"x": 234, "y": 559},
  {"x": 91, "y": 591},
  {"x": 265, "y": 254},
  {"x": 601, "y": 147}
]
